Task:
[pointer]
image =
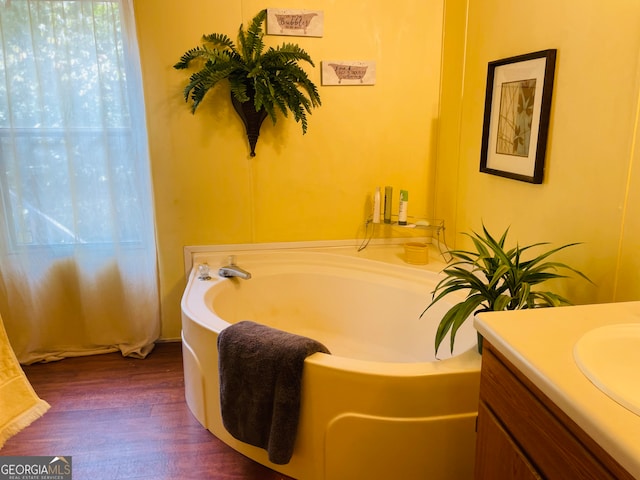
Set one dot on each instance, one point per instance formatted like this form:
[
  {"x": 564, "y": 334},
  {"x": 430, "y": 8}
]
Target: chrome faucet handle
[
  {"x": 204, "y": 272},
  {"x": 231, "y": 260}
]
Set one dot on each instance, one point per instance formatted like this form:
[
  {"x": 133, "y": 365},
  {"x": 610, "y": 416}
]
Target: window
[{"x": 73, "y": 169}]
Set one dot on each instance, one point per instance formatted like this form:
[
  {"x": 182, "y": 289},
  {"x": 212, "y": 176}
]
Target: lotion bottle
[
  {"x": 376, "y": 206},
  {"x": 404, "y": 205}
]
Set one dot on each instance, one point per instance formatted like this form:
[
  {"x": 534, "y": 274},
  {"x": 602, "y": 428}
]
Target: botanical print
[{"x": 516, "y": 115}]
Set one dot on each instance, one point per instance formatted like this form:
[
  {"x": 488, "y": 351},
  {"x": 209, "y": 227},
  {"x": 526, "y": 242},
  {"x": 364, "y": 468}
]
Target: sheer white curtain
[{"x": 77, "y": 248}]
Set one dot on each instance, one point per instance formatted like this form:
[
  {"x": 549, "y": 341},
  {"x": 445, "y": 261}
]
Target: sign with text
[
  {"x": 35, "y": 468},
  {"x": 301, "y": 23},
  {"x": 338, "y": 72}
]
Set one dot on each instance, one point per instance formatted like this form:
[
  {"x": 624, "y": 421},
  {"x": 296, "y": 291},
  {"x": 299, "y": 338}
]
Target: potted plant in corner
[
  {"x": 496, "y": 279},
  {"x": 262, "y": 81}
]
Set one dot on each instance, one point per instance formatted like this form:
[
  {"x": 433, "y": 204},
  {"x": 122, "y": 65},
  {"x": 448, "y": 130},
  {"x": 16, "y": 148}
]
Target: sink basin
[{"x": 610, "y": 358}]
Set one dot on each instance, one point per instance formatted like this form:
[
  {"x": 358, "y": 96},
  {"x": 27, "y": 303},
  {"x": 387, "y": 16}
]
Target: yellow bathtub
[{"x": 381, "y": 405}]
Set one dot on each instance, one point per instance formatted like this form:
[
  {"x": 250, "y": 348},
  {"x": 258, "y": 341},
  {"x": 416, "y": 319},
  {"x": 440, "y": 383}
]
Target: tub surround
[
  {"x": 390, "y": 251},
  {"x": 540, "y": 343}
]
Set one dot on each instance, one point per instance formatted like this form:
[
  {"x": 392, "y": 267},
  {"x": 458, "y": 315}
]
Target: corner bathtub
[{"x": 381, "y": 405}]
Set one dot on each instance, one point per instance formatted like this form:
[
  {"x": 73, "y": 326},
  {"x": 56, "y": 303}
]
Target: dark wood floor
[{"x": 127, "y": 418}]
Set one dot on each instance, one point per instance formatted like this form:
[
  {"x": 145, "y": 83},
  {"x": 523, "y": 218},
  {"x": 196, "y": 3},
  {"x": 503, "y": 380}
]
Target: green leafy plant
[
  {"x": 271, "y": 78},
  {"x": 496, "y": 279}
]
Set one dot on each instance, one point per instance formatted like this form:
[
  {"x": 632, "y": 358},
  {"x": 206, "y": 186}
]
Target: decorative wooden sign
[
  {"x": 301, "y": 23},
  {"x": 348, "y": 72}
]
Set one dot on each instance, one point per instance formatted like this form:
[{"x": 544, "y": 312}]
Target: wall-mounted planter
[
  {"x": 271, "y": 74},
  {"x": 252, "y": 120}
]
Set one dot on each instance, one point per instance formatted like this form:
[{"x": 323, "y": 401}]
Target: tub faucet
[{"x": 233, "y": 270}]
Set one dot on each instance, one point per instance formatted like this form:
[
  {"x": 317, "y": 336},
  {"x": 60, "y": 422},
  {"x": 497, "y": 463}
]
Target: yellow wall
[
  {"x": 591, "y": 189},
  {"x": 448, "y": 139},
  {"x": 317, "y": 186},
  {"x": 409, "y": 130},
  {"x": 628, "y": 266}
]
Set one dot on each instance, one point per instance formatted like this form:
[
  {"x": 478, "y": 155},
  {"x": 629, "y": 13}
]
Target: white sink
[{"x": 610, "y": 358}]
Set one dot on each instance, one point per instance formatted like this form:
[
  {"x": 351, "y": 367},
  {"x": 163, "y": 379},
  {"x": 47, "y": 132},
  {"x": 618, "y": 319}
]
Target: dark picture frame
[{"x": 516, "y": 116}]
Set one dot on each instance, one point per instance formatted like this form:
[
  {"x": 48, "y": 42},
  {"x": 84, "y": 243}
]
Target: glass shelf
[
  {"x": 412, "y": 222},
  {"x": 424, "y": 224},
  {"x": 435, "y": 226}
]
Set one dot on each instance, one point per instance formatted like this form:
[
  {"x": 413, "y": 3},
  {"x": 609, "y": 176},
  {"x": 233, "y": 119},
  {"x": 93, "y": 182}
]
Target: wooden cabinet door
[
  {"x": 520, "y": 420},
  {"x": 497, "y": 456}
]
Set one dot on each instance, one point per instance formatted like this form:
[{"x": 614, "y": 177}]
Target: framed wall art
[{"x": 516, "y": 116}]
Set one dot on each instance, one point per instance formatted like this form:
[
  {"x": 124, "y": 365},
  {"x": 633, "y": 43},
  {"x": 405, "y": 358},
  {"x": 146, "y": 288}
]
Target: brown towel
[{"x": 260, "y": 381}]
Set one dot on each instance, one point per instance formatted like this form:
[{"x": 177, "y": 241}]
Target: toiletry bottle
[
  {"x": 388, "y": 193},
  {"x": 376, "y": 206},
  {"x": 404, "y": 205}
]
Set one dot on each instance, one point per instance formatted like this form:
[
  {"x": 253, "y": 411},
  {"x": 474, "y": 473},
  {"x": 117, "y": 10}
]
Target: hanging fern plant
[{"x": 262, "y": 81}]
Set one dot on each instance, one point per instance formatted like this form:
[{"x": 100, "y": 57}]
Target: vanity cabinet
[{"x": 522, "y": 434}]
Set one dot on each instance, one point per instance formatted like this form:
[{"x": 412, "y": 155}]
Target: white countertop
[{"x": 540, "y": 343}]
